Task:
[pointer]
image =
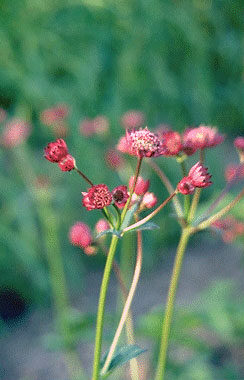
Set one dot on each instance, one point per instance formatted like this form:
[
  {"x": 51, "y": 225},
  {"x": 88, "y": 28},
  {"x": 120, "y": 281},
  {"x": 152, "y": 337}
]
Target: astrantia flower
[
  {"x": 80, "y": 235},
  {"x": 97, "y": 197},
  {"x": 120, "y": 195},
  {"x": 123, "y": 145},
  {"x": 101, "y": 225},
  {"x": 149, "y": 200},
  {"x": 56, "y": 151},
  {"x": 199, "y": 176},
  {"x": 15, "y": 132},
  {"x": 200, "y": 138},
  {"x": 171, "y": 143},
  {"x": 67, "y": 163},
  {"x": 234, "y": 172},
  {"x": 231, "y": 228},
  {"x": 101, "y": 125},
  {"x": 114, "y": 159},
  {"x": 185, "y": 186},
  {"x": 132, "y": 119},
  {"x": 141, "y": 185},
  {"x": 239, "y": 144},
  {"x": 143, "y": 143},
  {"x": 54, "y": 115}
]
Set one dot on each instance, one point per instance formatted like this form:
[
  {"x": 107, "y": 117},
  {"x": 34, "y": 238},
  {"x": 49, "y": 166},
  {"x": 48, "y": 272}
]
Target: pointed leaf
[
  {"x": 106, "y": 232},
  {"x": 129, "y": 215}
]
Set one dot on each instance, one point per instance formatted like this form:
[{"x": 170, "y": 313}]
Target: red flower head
[
  {"x": 200, "y": 138},
  {"x": 199, "y": 176},
  {"x": 149, "y": 200},
  {"x": 56, "y": 151},
  {"x": 54, "y": 115},
  {"x": 171, "y": 143},
  {"x": 67, "y": 163},
  {"x": 120, "y": 195},
  {"x": 143, "y": 143},
  {"x": 185, "y": 186},
  {"x": 132, "y": 119},
  {"x": 15, "y": 132},
  {"x": 97, "y": 197},
  {"x": 80, "y": 235},
  {"x": 234, "y": 172},
  {"x": 141, "y": 185},
  {"x": 113, "y": 159},
  {"x": 102, "y": 225}
]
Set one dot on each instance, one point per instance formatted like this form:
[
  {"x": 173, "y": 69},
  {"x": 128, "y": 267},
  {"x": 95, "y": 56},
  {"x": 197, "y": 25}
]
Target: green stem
[
  {"x": 186, "y": 197},
  {"x": 194, "y": 203},
  {"x": 160, "y": 372},
  {"x": 101, "y": 307}
]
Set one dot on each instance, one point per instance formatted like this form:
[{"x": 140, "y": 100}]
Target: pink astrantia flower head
[
  {"x": 114, "y": 159},
  {"x": 87, "y": 127},
  {"x": 132, "y": 119},
  {"x": 15, "y": 133},
  {"x": 171, "y": 143},
  {"x": 239, "y": 144},
  {"x": 201, "y": 137},
  {"x": 234, "y": 172},
  {"x": 185, "y": 186},
  {"x": 67, "y": 163},
  {"x": 141, "y": 185},
  {"x": 123, "y": 145},
  {"x": 101, "y": 225},
  {"x": 54, "y": 115},
  {"x": 199, "y": 176},
  {"x": 80, "y": 235},
  {"x": 143, "y": 143},
  {"x": 230, "y": 227},
  {"x": 120, "y": 195},
  {"x": 100, "y": 125},
  {"x": 149, "y": 200},
  {"x": 97, "y": 197},
  {"x": 56, "y": 151}
]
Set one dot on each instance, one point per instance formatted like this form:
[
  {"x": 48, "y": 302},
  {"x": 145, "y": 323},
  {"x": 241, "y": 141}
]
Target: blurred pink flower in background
[
  {"x": 80, "y": 235},
  {"x": 15, "y": 132},
  {"x": 101, "y": 225},
  {"x": 133, "y": 119},
  {"x": 200, "y": 138},
  {"x": 3, "y": 114},
  {"x": 231, "y": 228},
  {"x": 99, "y": 125},
  {"x": 54, "y": 115},
  {"x": 113, "y": 159},
  {"x": 233, "y": 172}
]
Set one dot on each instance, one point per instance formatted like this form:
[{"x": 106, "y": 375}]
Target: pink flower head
[
  {"x": 171, "y": 143},
  {"x": 67, "y": 163},
  {"x": 143, "y": 143},
  {"x": 113, "y": 159},
  {"x": 97, "y": 197},
  {"x": 234, "y": 172},
  {"x": 239, "y": 143},
  {"x": 132, "y": 119},
  {"x": 199, "y": 176},
  {"x": 120, "y": 195},
  {"x": 149, "y": 200},
  {"x": 80, "y": 235},
  {"x": 231, "y": 228},
  {"x": 101, "y": 225},
  {"x": 100, "y": 125},
  {"x": 54, "y": 115},
  {"x": 87, "y": 127},
  {"x": 185, "y": 186},
  {"x": 141, "y": 185},
  {"x": 56, "y": 151},
  {"x": 201, "y": 137},
  {"x": 123, "y": 145},
  {"x": 15, "y": 133}
]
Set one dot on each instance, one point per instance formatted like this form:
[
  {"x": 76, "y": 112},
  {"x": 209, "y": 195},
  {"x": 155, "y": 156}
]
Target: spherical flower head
[
  {"x": 101, "y": 225},
  {"x": 15, "y": 133},
  {"x": 100, "y": 125},
  {"x": 171, "y": 143},
  {"x": 123, "y": 145},
  {"x": 56, "y": 151},
  {"x": 132, "y": 119},
  {"x": 120, "y": 195},
  {"x": 67, "y": 163},
  {"x": 54, "y": 114},
  {"x": 185, "y": 186},
  {"x": 113, "y": 159},
  {"x": 199, "y": 176},
  {"x": 97, "y": 197},
  {"x": 141, "y": 185},
  {"x": 87, "y": 127},
  {"x": 201, "y": 137},
  {"x": 80, "y": 235},
  {"x": 143, "y": 143},
  {"x": 234, "y": 172},
  {"x": 149, "y": 200}
]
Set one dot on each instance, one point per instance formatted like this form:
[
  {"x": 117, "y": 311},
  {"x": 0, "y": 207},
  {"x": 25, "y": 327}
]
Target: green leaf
[
  {"x": 146, "y": 226},
  {"x": 129, "y": 215},
  {"x": 106, "y": 232},
  {"x": 122, "y": 355}
]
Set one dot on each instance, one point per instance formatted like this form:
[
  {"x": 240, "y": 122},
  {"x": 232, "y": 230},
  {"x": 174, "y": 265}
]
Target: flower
[
  {"x": 87, "y": 127},
  {"x": 100, "y": 125},
  {"x": 199, "y": 176},
  {"x": 113, "y": 159},
  {"x": 67, "y": 163},
  {"x": 132, "y": 119},
  {"x": 231, "y": 228},
  {"x": 141, "y": 185},
  {"x": 171, "y": 143},
  {"x": 123, "y": 145},
  {"x": 234, "y": 172},
  {"x": 101, "y": 225},
  {"x": 80, "y": 235},
  {"x": 54, "y": 114},
  {"x": 120, "y": 195},
  {"x": 15, "y": 133},
  {"x": 239, "y": 144},
  {"x": 149, "y": 200},
  {"x": 143, "y": 143},
  {"x": 90, "y": 250},
  {"x": 185, "y": 186},
  {"x": 200, "y": 138},
  {"x": 56, "y": 151},
  {"x": 97, "y": 197}
]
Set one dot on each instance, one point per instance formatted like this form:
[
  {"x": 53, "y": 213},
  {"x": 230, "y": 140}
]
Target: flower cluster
[
  {"x": 97, "y": 197},
  {"x": 57, "y": 151},
  {"x": 198, "y": 176},
  {"x": 143, "y": 143}
]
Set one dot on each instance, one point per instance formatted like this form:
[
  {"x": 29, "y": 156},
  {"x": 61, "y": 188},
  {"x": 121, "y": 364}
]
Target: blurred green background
[{"x": 179, "y": 62}]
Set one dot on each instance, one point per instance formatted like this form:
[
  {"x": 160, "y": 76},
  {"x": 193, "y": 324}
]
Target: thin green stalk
[
  {"x": 101, "y": 307},
  {"x": 186, "y": 197},
  {"x": 166, "y": 325},
  {"x": 194, "y": 203}
]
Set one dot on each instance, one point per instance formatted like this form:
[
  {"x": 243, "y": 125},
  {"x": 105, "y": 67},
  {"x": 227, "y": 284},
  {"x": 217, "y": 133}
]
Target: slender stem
[
  {"x": 194, "y": 203},
  {"x": 150, "y": 216},
  {"x": 83, "y": 176},
  {"x": 101, "y": 307},
  {"x": 169, "y": 187},
  {"x": 127, "y": 304},
  {"x": 219, "y": 214},
  {"x": 186, "y": 197},
  {"x": 170, "y": 304}
]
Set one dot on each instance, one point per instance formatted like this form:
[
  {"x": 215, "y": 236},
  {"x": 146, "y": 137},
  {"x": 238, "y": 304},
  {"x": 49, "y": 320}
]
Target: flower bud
[
  {"x": 141, "y": 185},
  {"x": 67, "y": 163},
  {"x": 80, "y": 235},
  {"x": 101, "y": 225},
  {"x": 149, "y": 200},
  {"x": 185, "y": 186}
]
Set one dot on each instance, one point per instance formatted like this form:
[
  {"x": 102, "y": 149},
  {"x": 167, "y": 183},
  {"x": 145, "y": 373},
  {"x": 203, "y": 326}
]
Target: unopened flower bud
[
  {"x": 141, "y": 185},
  {"x": 67, "y": 163},
  {"x": 185, "y": 186},
  {"x": 80, "y": 235},
  {"x": 149, "y": 200}
]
